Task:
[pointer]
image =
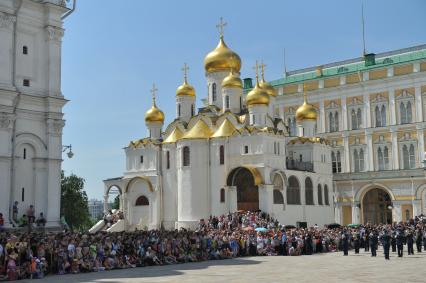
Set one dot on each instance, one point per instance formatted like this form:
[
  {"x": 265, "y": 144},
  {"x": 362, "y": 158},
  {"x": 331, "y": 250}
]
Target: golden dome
[
  {"x": 154, "y": 115},
  {"x": 306, "y": 112},
  {"x": 222, "y": 59},
  {"x": 232, "y": 81},
  {"x": 257, "y": 96},
  {"x": 268, "y": 88},
  {"x": 199, "y": 131},
  {"x": 226, "y": 129},
  {"x": 174, "y": 136},
  {"x": 185, "y": 90}
]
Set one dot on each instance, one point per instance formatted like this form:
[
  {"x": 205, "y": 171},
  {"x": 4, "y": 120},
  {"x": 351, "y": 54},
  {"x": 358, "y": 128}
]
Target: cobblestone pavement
[{"x": 331, "y": 267}]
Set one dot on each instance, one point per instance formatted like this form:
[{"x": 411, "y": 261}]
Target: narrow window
[
  {"x": 336, "y": 121},
  {"x": 214, "y": 91},
  {"x": 25, "y": 50},
  {"x": 192, "y": 110},
  {"x": 409, "y": 113},
  {"x": 222, "y": 155},
  {"x": 300, "y": 157},
  {"x": 168, "y": 159},
  {"x": 141, "y": 158},
  {"x": 26, "y": 82},
  {"x": 222, "y": 195},
  {"x": 227, "y": 102},
  {"x": 186, "y": 156},
  {"x": 333, "y": 162},
  {"x": 246, "y": 149},
  {"x": 339, "y": 163},
  {"x": 178, "y": 110},
  {"x": 25, "y": 153},
  {"x": 23, "y": 194}
]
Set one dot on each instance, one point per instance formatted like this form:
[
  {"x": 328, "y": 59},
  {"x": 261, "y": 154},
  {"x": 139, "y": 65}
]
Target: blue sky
[{"x": 114, "y": 50}]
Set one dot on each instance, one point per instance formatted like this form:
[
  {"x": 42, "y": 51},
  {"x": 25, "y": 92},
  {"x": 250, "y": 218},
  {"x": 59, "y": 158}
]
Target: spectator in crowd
[
  {"x": 15, "y": 212},
  {"x": 41, "y": 221}
]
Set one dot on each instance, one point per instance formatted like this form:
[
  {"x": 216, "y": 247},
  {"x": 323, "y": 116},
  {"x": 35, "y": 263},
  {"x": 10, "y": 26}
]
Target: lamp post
[{"x": 70, "y": 154}]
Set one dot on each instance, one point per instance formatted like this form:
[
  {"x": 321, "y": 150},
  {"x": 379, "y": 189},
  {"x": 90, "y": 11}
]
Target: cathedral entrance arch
[
  {"x": 377, "y": 206},
  {"x": 246, "y": 180}
]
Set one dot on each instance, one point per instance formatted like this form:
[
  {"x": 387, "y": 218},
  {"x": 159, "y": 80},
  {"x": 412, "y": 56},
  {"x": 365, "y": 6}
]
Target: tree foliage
[
  {"x": 74, "y": 202},
  {"x": 116, "y": 203}
]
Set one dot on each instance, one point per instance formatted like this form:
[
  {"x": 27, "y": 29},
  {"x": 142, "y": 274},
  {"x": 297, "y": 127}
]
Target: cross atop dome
[
  {"x": 221, "y": 26},
  {"x": 262, "y": 70},
  {"x": 185, "y": 69},
  {"x": 154, "y": 90},
  {"x": 256, "y": 68}
]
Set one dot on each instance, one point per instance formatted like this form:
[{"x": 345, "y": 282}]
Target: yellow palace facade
[{"x": 372, "y": 110}]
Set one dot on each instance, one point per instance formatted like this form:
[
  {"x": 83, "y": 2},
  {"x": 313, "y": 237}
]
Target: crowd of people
[{"x": 35, "y": 254}]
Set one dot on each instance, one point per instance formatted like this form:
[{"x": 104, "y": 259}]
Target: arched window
[
  {"x": 383, "y": 114},
  {"x": 25, "y": 153},
  {"x": 185, "y": 156},
  {"x": 192, "y": 110},
  {"x": 333, "y": 162},
  {"x": 386, "y": 157},
  {"x": 222, "y": 195},
  {"x": 409, "y": 113},
  {"x": 227, "y": 101},
  {"x": 336, "y": 121},
  {"x": 331, "y": 121},
  {"x": 221, "y": 155},
  {"x": 293, "y": 191},
  {"x": 327, "y": 202},
  {"x": 179, "y": 110},
  {"x": 378, "y": 116},
  {"x": 412, "y": 159},
  {"x": 142, "y": 200},
  {"x": 214, "y": 91},
  {"x": 278, "y": 197},
  {"x": 339, "y": 162},
  {"x": 309, "y": 191},
  {"x": 361, "y": 160},
  {"x": 405, "y": 157},
  {"x": 25, "y": 50},
  {"x": 359, "y": 118},
  {"x": 168, "y": 159},
  {"x": 380, "y": 159},
  {"x": 319, "y": 194},
  {"x": 353, "y": 120}
]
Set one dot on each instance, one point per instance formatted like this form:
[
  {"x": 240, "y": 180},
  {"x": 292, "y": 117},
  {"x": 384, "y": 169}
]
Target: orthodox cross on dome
[
  {"x": 262, "y": 70},
  {"x": 256, "y": 68},
  {"x": 305, "y": 96},
  {"x": 185, "y": 69},
  {"x": 153, "y": 93},
  {"x": 221, "y": 26}
]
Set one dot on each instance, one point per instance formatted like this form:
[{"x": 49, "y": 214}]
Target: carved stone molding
[
  {"x": 55, "y": 127},
  {"x": 6, "y": 20},
  {"x": 54, "y": 33},
  {"x": 6, "y": 121}
]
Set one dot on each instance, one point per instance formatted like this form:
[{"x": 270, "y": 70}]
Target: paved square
[{"x": 330, "y": 267}]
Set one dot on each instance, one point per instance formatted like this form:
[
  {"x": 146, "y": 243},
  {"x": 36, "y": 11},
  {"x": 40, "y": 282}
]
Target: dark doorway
[
  {"x": 247, "y": 190},
  {"x": 376, "y": 206}
]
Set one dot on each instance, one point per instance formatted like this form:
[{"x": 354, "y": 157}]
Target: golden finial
[
  {"x": 220, "y": 26},
  {"x": 305, "y": 96},
  {"x": 153, "y": 93},
  {"x": 256, "y": 68},
  {"x": 185, "y": 69},
  {"x": 262, "y": 70}
]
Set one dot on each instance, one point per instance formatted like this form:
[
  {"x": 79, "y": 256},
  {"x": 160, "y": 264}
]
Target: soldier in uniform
[
  {"x": 400, "y": 238},
  {"x": 386, "y": 239},
  {"x": 410, "y": 243},
  {"x": 356, "y": 240},
  {"x": 345, "y": 243},
  {"x": 419, "y": 240},
  {"x": 367, "y": 240},
  {"x": 393, "y": 241},
  {"x": 373, "y": 241}
]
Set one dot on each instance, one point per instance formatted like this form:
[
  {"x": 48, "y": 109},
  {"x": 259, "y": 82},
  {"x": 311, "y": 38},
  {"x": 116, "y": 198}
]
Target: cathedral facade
[{"x": 234, "y": 153}]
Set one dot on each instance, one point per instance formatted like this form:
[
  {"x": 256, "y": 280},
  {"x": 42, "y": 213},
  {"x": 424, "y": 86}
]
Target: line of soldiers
[{"x": 390, "y": 237}]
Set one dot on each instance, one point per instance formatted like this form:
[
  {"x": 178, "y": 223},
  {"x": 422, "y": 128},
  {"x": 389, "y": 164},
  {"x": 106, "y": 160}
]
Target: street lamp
[{"x": 70, "y": 154}]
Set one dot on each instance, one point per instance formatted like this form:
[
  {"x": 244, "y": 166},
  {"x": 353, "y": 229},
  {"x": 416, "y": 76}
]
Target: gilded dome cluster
[
  {"x": 154, "y": 114},
  {"x": 232, "y": 81},
  {"x": 306, "y": 112}
]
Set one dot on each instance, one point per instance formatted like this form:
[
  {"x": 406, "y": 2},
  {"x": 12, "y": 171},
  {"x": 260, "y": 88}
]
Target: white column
[
  {"x": 396, "y": 212},
  {"x": 53, "y": 50},
  {"x": 392, "y": 112},
  {"x": 347, "y": 168},
  {"x": 338, "y": 213},
  {"x": 232, "y": 198},
  {"x": 266, "y": 197},
  {"x": 367, "y": 115},
  {"x": 344, "y": 114},
  {"x": 355, "y": 213},
  {"x": 421, "y": 145},
  {"x": 417, "y": 207},
  {"x": 322, "y": 117},
  {"x": 419, "y": 104},
  {"x": 105, "y": 204},
  {"x": 395, "y": 153},
  {"x": 370, "y": 156}
]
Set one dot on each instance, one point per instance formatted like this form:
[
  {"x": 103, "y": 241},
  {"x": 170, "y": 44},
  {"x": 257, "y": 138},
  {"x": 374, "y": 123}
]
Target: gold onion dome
[
  {"x": 232, "y": 81},
  {"x": 199, "y": 131},
  {"x": 174, "y": 136},
  {"x": 226, "y": 129},
  {"x": 270, "y": 90},
  {"x": 185, "y": 90},
  {"x": 306, "y": 112},
  {"x": 222, "y": 59},
  {"x": 257, "y": 96},
  {"x": 154, "y": 114}
]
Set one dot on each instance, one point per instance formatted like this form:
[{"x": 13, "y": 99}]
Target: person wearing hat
[
  {"x": 386, "y": 239},
  {"x": 400, "y": 238},
  {"x": 373, "y": 241}
]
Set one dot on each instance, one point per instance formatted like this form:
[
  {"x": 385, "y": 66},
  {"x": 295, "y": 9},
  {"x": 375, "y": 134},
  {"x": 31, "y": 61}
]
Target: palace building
[
  {"x": 342, "y": 142},
  {"x": 372, "y": 110}
]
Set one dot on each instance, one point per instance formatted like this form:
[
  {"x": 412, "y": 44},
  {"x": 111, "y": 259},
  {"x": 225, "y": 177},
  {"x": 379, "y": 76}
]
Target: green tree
[
  {"x": 116, "y": 203},
  {"x": 74, "y": 202}
]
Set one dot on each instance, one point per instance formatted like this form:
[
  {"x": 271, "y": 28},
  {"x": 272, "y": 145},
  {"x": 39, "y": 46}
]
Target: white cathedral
[{"x": 234, "y": 154}]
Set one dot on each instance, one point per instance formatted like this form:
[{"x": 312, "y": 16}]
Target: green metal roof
[{"x": 385, "y": 59}]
